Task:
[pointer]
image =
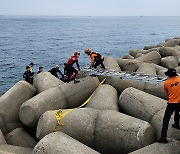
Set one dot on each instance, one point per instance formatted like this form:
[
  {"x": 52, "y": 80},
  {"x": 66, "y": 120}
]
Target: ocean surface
[{"x": 49, "y": 41}]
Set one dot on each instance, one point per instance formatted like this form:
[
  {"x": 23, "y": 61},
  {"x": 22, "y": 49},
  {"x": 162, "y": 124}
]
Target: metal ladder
[{"x": 126, "y": 75}]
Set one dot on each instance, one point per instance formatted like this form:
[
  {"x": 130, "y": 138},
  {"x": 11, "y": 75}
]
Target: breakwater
[{"x": 94, "y": 115}]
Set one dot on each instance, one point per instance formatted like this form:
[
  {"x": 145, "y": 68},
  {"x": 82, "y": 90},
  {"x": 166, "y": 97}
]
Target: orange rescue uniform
[{"x": 172, "y": 87}]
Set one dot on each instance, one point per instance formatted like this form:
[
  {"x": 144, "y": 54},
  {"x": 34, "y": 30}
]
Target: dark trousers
[
  {"x": 171, "y": 107},
  {"x": 99, "y": 62},
  {"x": 69, "y": 70}
]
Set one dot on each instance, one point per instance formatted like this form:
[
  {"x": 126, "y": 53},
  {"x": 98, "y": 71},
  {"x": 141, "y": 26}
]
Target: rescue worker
[
  {"x": 40, "y": 70},
  {"x": 56, "y": 70},
  {"x": 69, "y": 69},
  {"x": 96, "y": 59},
  {"x": 172, "y": 88},
  {"x": 28, "y": 75}
]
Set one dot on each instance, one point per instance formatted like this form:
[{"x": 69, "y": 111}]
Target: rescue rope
[{"x": 60, "y": 115}]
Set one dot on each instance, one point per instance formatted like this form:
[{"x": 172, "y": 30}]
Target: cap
[
  {"x": 57, "y": 66},
  {"x": 40, "y": 67},
  {"x": 87, "y": 50},
  {"x": 27, "y": 67},
  {"x": 31, "y": 63},
  {"x": 171, "y": 72},
  {"x": 76, "y": 53}
]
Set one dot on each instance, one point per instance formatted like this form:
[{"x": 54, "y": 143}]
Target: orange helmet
[
  {"x": 76, "y": 53},
  {"x": 87, "y": 50}
]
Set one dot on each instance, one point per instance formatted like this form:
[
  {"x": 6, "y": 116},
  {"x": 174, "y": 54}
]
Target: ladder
[{"x": 126, "y": 75}]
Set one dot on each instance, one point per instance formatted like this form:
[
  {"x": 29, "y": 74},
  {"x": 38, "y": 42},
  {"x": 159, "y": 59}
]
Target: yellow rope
[{"x": 60, "y": 115}]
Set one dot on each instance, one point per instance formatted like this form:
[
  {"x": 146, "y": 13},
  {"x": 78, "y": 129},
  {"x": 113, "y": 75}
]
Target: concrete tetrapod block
[
  {"x": 11, "y": 101},
  {"x": 68, "y": 95},
  {"x": 76, "y": 94},
  {"x": 139, "y": 104},
  {"x": 120, "y": 85},
  {"x": 176, "y": 55},
  {"x": 20, "y": 137},
  {"x": 134, "y": 52},
  {"x": 166, "y": 51},
  {"x": 46, "y": 80},
  {"x": 79, "y": 124},
  {"x": 131, "y": 65},
  {"x": 155, "y": 89},
  {"x": 11, "y": 149},
  {"x": 159, "y": 69},
  {"x": 119, "y": 133},
  {"x": 105, "y": 98},
  {"x": 157, "y": 125},
  {"x": 60, "y": 143},
  {"x": 172, "y": 147},
  {"x": 178, "y": 69},
  {"x": 146, "y": 68},
  {"x": 171, "y": 43},
  {"x": 151, "y": 57},
  {"x": 106, "y": 131},
  {"x": 169, "y": 62},
  {"x": 127, "y": 57},
  {"x": 147, "y": 47},
  {"x": 111, "y": 64},
  {"x": 138, "y": 55},
  {"x": 121, "y": 62},
  {"x": 2, "y": 139}
]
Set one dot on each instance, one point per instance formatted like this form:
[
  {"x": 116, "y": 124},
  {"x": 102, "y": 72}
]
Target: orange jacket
[
  {"x": 172, "y": 87},
  {"x": 95, "y": 56}
]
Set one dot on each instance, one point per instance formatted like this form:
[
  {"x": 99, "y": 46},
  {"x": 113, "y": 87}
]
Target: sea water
[{"x": 49, "y": 41}]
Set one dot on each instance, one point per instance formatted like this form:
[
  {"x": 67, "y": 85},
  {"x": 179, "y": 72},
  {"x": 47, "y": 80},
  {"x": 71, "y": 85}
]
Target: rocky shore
[{"x": 119, "y": 116}]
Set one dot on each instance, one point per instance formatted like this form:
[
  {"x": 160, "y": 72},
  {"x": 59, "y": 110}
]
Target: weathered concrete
[
  {"x": 131, "y": 65},
  {"x": 11, "y": 101},
  {"x": 79, "y": 124},
  {"x": 176, "y": 55},
  {"x": 10, "y": 149},
  {"x": 2, "y": 139},
  {"x": 127, "y": 57},
  {"x": 118, "y": 133},
  {"x": 111, "y": 64},
  {"x": 139, "y": 104},
  {"x": 157, "y": 125},
  {"x": 162, "y": 72},
  {"x": 151, "y": 88},
  {"x": 166, "y": 51},
  {"x": 68, "y": 95},
  {"x": 169, "y": 62},
  {"x": 20, "y": 137},
  {"x": 138, "y": 55},
  {"x": 146, "y": 68},
  {"x": 121, "y": 62},
  {"x": 60, "y": 143},
  {"x": 171, "y": 42},
  {"x": 172, "y": 147},
  {"x": 159, "y": 69},
  {"x": 134, "y": 52},
  {"x": 155, "y": 89},
  {"x": 105, "y": 98},
  {"x": 120, "y": 84},
  {"x": 147, "y": 47},
  {"x": 151, "y": 57},
  {"x": 178, "y": 69},
  {"x": 106, "y": 131},
  {"x": 46, "y": 80}
]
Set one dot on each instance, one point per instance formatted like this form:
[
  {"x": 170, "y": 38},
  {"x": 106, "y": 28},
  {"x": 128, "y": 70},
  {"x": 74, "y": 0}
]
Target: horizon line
[{"x": 96, "y": 15}]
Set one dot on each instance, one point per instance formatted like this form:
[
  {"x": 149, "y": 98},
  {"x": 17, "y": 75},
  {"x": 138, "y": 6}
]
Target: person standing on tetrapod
[
  {"x": 96, "y": 59},
  {"x": 69, "y": 70},
  {"x": 172, "y": 88}
]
